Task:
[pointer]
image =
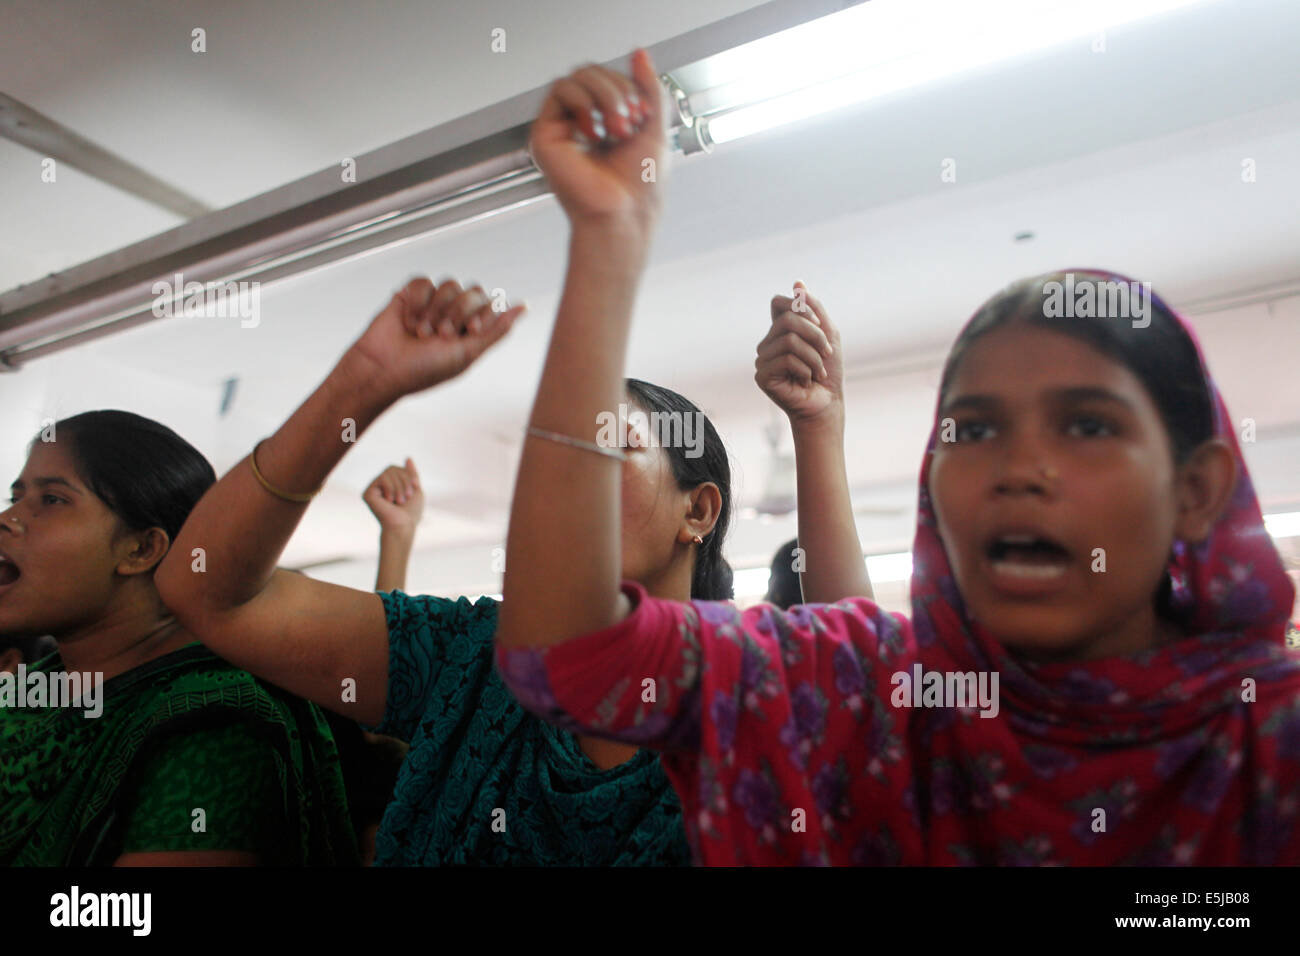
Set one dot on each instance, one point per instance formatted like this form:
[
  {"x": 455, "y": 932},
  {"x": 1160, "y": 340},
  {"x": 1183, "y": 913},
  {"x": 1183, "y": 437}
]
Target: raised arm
[
  {"x": 220, "y": 577},
  {"x": 565, "y": 493},
  {"x": 800, "y": 367},
  {"x": 397, "y": 502}
]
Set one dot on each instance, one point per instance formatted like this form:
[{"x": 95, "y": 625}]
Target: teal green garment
[{"x": 486, "y": 782}]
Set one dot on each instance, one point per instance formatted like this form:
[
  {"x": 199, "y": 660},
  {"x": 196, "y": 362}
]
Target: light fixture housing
[
  {"x": 470, "y": 168},
  {"x": 875, "y": 49},
  {"x": 776, "y": 63}
]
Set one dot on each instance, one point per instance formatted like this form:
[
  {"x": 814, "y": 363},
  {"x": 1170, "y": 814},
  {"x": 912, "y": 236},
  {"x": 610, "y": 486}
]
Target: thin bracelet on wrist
[{"x": 577, "y": 443}]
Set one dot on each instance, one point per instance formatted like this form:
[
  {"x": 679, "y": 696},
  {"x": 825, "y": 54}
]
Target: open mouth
[
  {"x": 9, "y": 572},
  {"x": 1026, "y": 556}
]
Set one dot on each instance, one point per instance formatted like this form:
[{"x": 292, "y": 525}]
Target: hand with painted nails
[
  {"x": 426, "y": 335},
  {"x": 599, "y": 138},
  {"x": 396, "y": 499},
  {"x": 799, "y": 364}
]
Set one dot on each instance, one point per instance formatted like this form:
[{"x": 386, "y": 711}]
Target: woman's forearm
[
  {"x": 828, "y": 535},
  {"x": 394, "y": 558},
  {"x": 563, "y": 551},
  {"x": 321, "y": 641},
  {"x": 239, "y": 528}
]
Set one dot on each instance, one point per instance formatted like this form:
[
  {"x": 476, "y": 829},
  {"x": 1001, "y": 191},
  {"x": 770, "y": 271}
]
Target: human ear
[
  {"x": 1204, "y": 486},
  {"x": 704, "y": 509},
  {"x": 144, "y": 549}
]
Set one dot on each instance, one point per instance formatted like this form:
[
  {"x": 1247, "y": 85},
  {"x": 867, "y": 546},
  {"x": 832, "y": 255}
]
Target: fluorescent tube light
[{"x": 886, "y": 46}]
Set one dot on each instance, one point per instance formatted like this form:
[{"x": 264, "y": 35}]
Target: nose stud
[{"x": 1050, "y": 473}]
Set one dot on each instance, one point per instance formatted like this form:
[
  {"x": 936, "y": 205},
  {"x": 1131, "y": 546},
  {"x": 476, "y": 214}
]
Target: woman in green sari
[{"x": 132, "y": 744}]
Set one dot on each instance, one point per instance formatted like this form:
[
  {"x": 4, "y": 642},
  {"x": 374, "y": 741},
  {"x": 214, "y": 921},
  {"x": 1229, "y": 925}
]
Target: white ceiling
[{"x": 1129, "y": 159}]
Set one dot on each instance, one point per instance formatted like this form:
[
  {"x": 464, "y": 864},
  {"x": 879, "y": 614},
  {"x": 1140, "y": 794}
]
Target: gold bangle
[{"x": 286, "y": 495}]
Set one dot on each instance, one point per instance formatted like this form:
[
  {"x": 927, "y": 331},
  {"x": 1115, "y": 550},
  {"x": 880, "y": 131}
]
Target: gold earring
[{"x": 697, "y": 539}]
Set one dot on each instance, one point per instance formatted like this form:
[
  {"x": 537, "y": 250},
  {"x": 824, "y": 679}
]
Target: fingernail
[
  {"x": 472, "y": 303},
  {"x": 475, "y": 325},
  {"x": 598, "y": 124},
  {"x": 446, "y": 329}
]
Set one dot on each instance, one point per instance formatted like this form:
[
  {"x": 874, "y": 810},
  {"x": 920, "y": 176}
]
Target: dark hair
[
  {"x": 1161, "y": 355},
  {"x": 143, "y": 471},
  {"x": 711, "y": 579},
  {"x": 369, "y": 766},
  {"x": 783, "y": 587}
]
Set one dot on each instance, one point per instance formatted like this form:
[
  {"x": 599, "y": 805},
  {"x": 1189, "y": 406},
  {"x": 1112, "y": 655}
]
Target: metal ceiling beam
[
  {"x": 33, "y": 129},
  {"x": 477, "y": 164}
]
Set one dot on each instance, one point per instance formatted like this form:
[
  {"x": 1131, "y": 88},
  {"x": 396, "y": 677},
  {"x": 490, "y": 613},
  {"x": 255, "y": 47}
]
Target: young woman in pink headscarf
[{"x": 1091, "y": 574}]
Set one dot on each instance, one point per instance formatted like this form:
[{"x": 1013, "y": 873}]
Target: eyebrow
[
  {"x": 46, "y": 482},
  {"x": 1063, "y": 396}
]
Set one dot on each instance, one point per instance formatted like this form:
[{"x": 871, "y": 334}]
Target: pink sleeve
[
  {"x": 636, "y": 681},
  {"x": 699, "y": 675},
  {"x": 774, "y": 724}
]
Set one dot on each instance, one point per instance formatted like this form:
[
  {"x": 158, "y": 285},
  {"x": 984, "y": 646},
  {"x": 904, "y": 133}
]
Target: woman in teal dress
[{"x": 485, "y": 782}]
